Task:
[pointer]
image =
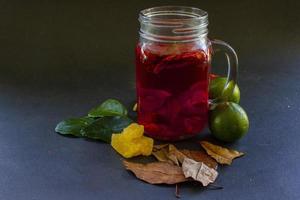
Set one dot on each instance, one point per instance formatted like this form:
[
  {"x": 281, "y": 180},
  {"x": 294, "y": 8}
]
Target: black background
[{"x": 60, "y": 58}]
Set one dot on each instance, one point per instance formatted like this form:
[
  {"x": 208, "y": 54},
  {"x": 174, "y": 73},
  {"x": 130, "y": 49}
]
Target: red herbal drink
[
  {"x": 172, "y": 90},
  {"x": 172, "y": 71}
]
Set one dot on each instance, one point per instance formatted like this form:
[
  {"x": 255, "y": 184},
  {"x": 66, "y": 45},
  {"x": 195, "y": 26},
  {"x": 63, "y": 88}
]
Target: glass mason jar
[{"x": 173, "y": 59}]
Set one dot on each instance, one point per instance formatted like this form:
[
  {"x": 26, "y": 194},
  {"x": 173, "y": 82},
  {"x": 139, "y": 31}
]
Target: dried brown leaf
[
  {"x": 168, "y": 153},
  {"x": 161, "y": 155},
  {"x": 173, "y": 159},
  {"x": 199, "y": 171},
  {"x": 175, "y": 155},
  {"x": 160, "y": 152},
  {"x": 156, "y": 172},
  {"x": 200, "y": 156},
  {"x": 220, "y": 154},
  {"x": 159, "y": 147}
]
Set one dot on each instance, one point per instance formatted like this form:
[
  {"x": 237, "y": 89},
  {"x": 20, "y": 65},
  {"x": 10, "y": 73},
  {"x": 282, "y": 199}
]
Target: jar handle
[{"x": 232, "y": 72}]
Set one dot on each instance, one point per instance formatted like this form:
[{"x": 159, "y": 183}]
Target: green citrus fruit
[
  {"x": 216, "y": 87},
  {"x": 228, "y": 122}
]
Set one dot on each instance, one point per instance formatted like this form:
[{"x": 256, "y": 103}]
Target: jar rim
[
  {"x": 173, "y": 24},
  {"x": 160, "y": 13}
]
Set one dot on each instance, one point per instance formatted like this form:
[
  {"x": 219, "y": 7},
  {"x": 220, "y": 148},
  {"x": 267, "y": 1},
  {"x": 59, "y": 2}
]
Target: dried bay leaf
[
  {"x": 156, "y": 172},
  {"x": 159, "y": 147},
  {"x": 199, "y": 171},
  {"x": 160, "y": 152},
  {"x": 175, "y": 155},
  {"x": 169, "y": 153},
  {"x": 220, "y": 154},
  {"x": 161, "y": 155},
  {"x": 200, "y": 156}
]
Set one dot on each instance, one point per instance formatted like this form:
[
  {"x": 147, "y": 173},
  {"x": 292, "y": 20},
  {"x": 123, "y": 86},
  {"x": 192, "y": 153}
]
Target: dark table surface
[{"x": 60, "y": 58}]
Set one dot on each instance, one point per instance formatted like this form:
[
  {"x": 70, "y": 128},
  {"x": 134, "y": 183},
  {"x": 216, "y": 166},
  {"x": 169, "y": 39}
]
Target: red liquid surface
[{"x": 172, "y": 91}]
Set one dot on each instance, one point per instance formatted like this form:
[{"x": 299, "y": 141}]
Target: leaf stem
[
  {"x": 177, "y": 193},
  {"x": 215, "y": 187}
]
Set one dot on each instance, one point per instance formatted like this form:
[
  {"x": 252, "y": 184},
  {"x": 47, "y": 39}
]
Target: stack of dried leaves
[{"x": 177, "y": 166}]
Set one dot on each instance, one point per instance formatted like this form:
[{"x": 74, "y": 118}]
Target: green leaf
[
  {"x": 110, "y": 107},
  {"x": 103, "y": 128},
  {"x": 73, "y": 126}
]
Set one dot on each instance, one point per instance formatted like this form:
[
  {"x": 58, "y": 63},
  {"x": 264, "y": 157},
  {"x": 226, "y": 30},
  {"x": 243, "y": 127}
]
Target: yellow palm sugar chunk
[
  {"x": 134, "y": 130},
  {"x": 128, "y": 148},
  {"x": 146, "y": 145},
  {"x": 118, "y": 144},
  {"x": 131, "y": 142}
]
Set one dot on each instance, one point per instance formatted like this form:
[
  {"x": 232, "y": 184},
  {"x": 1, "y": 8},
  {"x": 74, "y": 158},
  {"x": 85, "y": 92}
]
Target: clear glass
[{"x": 172, "y": 71}]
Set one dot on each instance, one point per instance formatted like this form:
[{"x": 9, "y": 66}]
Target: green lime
[
  {"x": 216, "y": 87},
  {"x": 228, "y": 122}
]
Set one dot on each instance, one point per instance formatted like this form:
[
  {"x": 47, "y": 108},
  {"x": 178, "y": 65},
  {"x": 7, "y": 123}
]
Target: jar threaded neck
[{"x": 173, "y": 24}]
